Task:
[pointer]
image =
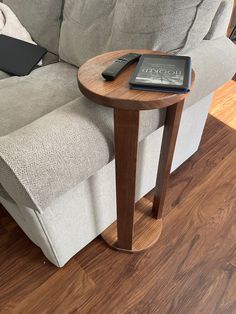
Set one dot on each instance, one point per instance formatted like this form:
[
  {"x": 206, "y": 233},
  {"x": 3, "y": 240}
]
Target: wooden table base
[
  {"x": 147, "y": 231},
  {"x": 134, "y": 231}
]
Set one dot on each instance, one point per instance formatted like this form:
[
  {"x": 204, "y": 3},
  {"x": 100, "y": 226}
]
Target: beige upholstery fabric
[
  {"x": 60, "y": 150},
  {"x": 220, "y": 22},
  {"x": 25, "y": 99},
  {"x": 11, "y": 26},
  {"x": 92, "y": 27},
  {"x": 41, "y": 18},
  {"x": 5, "y": 195},
  {"x": 3, "y": 75}
]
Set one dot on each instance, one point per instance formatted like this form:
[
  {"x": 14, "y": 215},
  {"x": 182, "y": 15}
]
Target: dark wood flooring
[{"x": 191, "y": 270}]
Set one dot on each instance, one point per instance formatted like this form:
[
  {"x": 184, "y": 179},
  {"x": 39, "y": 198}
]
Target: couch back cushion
[
  {"x": 42, "y": 18},
  {"x": 92, "y": 27},
  {"x": 220, "y": 23}
]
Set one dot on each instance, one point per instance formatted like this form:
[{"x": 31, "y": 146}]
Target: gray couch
[{"x": 56, "y": 147}]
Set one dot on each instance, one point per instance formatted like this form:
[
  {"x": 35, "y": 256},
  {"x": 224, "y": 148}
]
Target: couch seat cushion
[{"x": 25, "y": 99}]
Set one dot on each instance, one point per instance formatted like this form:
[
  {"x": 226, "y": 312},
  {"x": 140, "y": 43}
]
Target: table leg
[
  {"x": 126, "y": 144},
  {"x": 173, "y": 116}
]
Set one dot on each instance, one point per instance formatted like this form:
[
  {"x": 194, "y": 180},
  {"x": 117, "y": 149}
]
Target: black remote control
[{"x": 119, "y": 65}]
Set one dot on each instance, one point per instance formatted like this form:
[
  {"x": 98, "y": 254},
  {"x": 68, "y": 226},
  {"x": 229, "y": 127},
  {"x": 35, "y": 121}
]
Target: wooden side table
[{"x": 133, "y": 231}]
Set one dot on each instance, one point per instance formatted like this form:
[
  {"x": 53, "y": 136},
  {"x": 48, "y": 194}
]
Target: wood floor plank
[
  {"x": 184, "y": 246},
  {"x": 206, "y": 160},
  {"x": 191, "y": 269},
  {"x": 57, "y": 295},
  {"x": 225, "y": 99}
]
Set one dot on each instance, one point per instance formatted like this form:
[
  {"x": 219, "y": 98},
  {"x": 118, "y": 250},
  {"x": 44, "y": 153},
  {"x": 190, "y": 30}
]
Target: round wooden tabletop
[{"x": 117, "y": 94}]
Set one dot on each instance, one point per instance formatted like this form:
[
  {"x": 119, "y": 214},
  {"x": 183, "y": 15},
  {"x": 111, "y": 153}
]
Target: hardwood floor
[{"x": 192, "y": 268}]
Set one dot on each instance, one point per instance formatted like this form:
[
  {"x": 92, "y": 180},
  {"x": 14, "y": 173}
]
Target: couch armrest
[
  {"x": 46, "y": 158},
  {"x": 43, "y": 160},
  {"x": 214, "y": 63}
]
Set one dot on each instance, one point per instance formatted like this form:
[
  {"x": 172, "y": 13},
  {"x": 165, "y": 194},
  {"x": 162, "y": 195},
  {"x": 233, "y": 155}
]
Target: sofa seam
[
  {"x": 47, "y": 237},
  {"x": 22, "y": 212},
  {"x": 62, "y": 12}
]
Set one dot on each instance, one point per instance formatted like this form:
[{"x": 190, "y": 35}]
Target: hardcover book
[{"x": 164, "y": 73}]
